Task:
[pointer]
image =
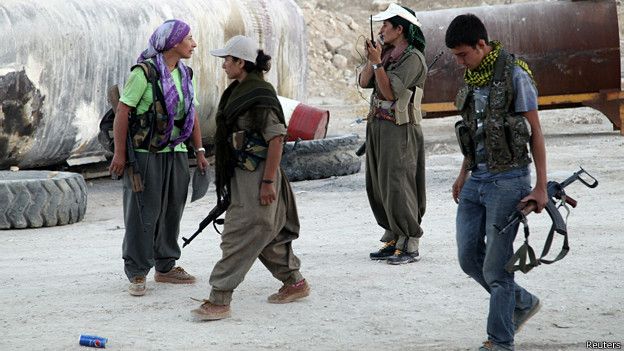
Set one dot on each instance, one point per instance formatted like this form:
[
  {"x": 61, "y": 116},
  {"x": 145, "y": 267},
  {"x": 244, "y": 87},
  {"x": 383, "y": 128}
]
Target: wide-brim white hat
[
  {"x": 396, "y": 10},
  {"x": 239, "y": 46}
]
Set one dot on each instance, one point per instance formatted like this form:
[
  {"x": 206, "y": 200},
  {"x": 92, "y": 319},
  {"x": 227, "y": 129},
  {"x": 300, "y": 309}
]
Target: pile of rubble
[
  {"x": 337, "y": 31},
  {"x": 334, "y": 40}
]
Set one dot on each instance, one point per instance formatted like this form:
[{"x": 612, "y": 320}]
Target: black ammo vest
[{"x": 505, "y": 132}]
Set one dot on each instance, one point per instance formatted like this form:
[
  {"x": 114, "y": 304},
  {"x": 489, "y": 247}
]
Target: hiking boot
[
  {"x": 402, "y": 257},
  {"x": 386, "y": 251},
  {"x": 490, "y": 346},
  {"x": 137, "y": 286},
  {"x": 211, "y": 312},
  {"x": 521, "y": 317},
  {"x": 176, "y": 275},
  {"x": 290, "y": 293}
]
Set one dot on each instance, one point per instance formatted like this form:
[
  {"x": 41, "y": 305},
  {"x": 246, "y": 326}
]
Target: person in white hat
[
  {"x": 395, "y": 158},
  {"x": 261, "y": 221}
]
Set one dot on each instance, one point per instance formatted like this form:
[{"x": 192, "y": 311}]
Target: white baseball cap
[
  {"x": 396, "y": 10},
  {"x": 239, "y": 46}
]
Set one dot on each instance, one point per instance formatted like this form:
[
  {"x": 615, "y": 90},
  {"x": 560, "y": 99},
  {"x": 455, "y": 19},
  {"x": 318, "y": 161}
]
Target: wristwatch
[
  {"x": 377, "y": 65},
  {"x": 200, "y": 149}
]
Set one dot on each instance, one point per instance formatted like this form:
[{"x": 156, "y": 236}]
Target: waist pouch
[
  {"x": 249, "y": 149},
  {"x": 382, "y": 113}
]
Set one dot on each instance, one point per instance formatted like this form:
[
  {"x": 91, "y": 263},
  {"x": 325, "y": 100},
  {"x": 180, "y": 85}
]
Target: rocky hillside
[{"x": 336, "y": 34}]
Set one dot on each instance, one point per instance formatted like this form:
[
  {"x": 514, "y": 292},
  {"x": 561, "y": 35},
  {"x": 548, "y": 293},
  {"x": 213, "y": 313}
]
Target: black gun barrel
[{"x": 212, "y": 216}]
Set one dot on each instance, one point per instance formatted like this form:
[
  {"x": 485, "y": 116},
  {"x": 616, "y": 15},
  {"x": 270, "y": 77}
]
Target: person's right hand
[
  {"x": 118, "y": 164},
  {"x": 458, "y": 185},
  {"x": 373, "y": 54}
]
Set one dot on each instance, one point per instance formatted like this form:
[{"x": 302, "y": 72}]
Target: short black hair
[{"x": 465, "y": 29}]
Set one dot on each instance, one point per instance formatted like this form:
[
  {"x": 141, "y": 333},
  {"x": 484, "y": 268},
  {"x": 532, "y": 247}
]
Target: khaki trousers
[
  {"x": 395, "y": 180},
  {"x": 254, "y": 231}
]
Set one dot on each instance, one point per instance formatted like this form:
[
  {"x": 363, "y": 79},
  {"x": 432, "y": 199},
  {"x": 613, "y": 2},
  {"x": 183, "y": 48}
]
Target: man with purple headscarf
[{"x": 158, "y": 135}]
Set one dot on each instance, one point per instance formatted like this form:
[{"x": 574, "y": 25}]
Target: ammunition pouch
[
  {"x": 249, "y": 149},
  {"x": 147, "y": 130},
  {"x": 464, "y": 139}
]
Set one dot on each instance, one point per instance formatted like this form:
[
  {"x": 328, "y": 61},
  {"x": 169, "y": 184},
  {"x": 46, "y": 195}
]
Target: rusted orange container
[{"x": 305, "y": 122}]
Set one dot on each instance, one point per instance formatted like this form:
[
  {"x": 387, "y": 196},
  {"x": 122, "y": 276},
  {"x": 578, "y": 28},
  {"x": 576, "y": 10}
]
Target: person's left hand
[{"x": 267, "y": 194}]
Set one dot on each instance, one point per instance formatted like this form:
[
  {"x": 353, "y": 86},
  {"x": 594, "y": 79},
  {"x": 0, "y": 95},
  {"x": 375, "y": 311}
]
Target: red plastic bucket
[{"x": 305, "y": 122}]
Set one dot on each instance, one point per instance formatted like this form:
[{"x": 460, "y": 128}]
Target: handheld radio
[{"x": 371, "y": 29}]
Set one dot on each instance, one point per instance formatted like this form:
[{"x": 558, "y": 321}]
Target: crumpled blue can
[{"x": 93, "y": 341}]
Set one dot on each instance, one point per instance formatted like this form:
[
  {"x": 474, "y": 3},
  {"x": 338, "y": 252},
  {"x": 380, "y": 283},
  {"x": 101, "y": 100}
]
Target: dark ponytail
[{"x": 262, "y": 64}]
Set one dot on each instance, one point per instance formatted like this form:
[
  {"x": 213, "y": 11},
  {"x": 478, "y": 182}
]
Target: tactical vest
[
  {"x": 148, "y": 129},
  {"x": 407, "y": 106},
  {"x": 505, "y": 132}
]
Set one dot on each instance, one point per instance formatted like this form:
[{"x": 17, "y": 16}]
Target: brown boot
[
  {"x": 176, "y": 275},
  {"x": 137, "y": 286},
  {"x": 290, "y": 293},
  {"x": 211, "y": 312}
]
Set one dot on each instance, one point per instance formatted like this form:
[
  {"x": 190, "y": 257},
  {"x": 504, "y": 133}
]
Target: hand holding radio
[
  {"x": 373, "y": 50},
  {"x": 372, "y": 39}
]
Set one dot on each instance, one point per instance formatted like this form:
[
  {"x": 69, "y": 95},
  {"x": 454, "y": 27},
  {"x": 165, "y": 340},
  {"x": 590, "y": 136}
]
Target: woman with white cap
[
  {"x": 395, "y": 160},
  {"x": 152, "y": 218},
  {"x": 261, "y": 221}
]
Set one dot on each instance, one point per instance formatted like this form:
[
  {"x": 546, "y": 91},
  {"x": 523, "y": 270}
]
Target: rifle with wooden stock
[{"x": 556, "y": 193}]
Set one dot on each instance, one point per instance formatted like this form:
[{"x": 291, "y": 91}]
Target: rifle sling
[{"x": 525, "y": 250}]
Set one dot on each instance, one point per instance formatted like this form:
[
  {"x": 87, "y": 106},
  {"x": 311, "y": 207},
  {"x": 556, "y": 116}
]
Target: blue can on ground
[{"x": 93, "y": 341}]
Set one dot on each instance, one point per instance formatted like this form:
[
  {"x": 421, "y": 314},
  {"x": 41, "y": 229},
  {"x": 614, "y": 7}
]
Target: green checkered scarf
[{"x": 482, "y": 75}]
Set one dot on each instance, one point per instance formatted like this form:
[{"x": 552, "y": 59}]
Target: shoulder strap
[
  {"x": 151, "y": 73},
  {"x": 190, "y": 72},
  {"x": 499, "y": 66},
  {"x": 526, "y": 252}
]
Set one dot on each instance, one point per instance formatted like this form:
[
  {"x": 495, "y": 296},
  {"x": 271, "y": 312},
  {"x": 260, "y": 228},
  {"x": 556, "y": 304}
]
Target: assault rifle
[
  {"x": 213, "y": 216},
  {"x": 133, "y": 168},
  {"x": 556, "y": 193},
  {"x": 362, "y": 149}
]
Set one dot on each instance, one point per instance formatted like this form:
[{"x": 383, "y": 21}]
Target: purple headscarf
[{"x": 165, "y": 37}]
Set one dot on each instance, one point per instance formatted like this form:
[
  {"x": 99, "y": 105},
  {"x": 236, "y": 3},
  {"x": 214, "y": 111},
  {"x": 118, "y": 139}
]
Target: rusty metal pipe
[{"x": 572, "y": 47}]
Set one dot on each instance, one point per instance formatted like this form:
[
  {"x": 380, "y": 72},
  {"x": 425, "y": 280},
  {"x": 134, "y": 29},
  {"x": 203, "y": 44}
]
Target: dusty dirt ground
[{"x": 57, "y": 283}]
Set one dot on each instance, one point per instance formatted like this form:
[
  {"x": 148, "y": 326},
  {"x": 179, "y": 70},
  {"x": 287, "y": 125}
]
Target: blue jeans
[{"x": 483, "y": 253}]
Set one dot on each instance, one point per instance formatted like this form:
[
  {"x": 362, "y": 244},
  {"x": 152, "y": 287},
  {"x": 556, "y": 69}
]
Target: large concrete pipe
[
  {"x": 58, "y": 57},
  {"x": 572, "y": 48}
]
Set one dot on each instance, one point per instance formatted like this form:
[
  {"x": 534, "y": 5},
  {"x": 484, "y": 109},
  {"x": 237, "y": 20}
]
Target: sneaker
[
  {"x": 386, "y": 251},
  {"x": 402, "y": 257},
  {"x": 211, "y": 312},
  {"x": 137, "y": 286},
  {"x": 176, "y": 275},
  {"x": 490, "y": 346},
  {"x": 521, "y": 317},
  {"x": 290, "y": 293}
]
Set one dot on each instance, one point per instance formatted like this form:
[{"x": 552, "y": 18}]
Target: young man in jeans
[{"x": 497, "y": 101}]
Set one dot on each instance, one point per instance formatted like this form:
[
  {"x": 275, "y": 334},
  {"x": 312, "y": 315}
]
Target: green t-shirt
[{"x": 137, "y": 93}]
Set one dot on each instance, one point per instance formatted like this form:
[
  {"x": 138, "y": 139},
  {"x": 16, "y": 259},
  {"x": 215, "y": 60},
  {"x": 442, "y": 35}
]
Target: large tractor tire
[
  {"x": 321, "y": 158},
  {"x": 33, "y": 199}
]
